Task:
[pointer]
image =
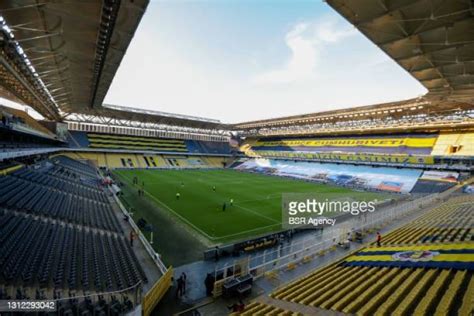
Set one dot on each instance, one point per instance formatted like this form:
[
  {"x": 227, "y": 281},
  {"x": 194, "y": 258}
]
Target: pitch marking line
[
  {"x": 175, "y": 213},
  {"x": 268, "y": 197},
  {"x": 258, "y": 214},
  {"x": 200, "y": 230},
  {"x": 249, "y": 231}
]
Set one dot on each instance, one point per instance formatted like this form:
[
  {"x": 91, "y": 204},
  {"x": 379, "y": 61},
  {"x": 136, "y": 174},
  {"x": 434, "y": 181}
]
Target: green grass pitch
[{"x": 257, "y": 199}]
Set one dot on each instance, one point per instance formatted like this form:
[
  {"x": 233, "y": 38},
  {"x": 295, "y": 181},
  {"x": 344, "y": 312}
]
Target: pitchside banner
[{"x": 312, "y": 210}]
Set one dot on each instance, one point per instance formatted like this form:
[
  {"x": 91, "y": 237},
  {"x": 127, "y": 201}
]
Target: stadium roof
[
  {"x": 109, "y": 112},
  {"x": 74, "y": 47},
  {"x": 431, "y": 39},
  {"x": 393, "y": 109}
]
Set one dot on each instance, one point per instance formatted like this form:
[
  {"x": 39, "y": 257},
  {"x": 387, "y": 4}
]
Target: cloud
[
  {"x": 320, "y": 70},
  {"x": 306, "y": 41}
]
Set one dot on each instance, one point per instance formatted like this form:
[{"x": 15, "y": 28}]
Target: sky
[{"x": 243, "y": 60}]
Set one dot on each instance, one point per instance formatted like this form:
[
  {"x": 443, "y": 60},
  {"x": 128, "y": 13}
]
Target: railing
[
  {"x": 327, "y": 239},
  {"x": 132, "y": 293},
  {"x": 30, "y": 130},
  {"x": 159, "y": 289},
  {"x": 18, "y": 152},
  {"x": 153, "y": 254},
  {"x": 10, "y": 170},
  {"x": 156, "y": 293}
]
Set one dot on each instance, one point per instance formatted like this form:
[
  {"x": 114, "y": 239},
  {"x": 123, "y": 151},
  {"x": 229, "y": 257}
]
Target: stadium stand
[
  {"x": 423, "y": 268},
  {"x": 58, "y": 230},
  {"x": 21, "y": 121},
  {"x": 131, "y": 160},
  {"x": 458, "y": 144},
  {"x": 78, "y": 139},
  {"x": 132, "y": 142},
  {"x": 400, "y": 144},
  {"x": 258, "y": 308},
  {"x": 107, "y": 141},
  {"x": 396, "y": 150},
  {"x": 207, "y": 147},
  {"x": 357, "y": 158},
  {"x": 373, "y": 178},
  {"x": 65, "y": 236},
  {"x": 21, "y": 135},
  {"x": 429, "y": 187},
  {"x": 109, "y": 264}
]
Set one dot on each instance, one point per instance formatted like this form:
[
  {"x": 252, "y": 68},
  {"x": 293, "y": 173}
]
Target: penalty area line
[
  {"x": 178, "y": 215},
  {"x": 203, "y": 232},
  {"x": 258, "y": 214},
  {"x": 248, "y": 231}
]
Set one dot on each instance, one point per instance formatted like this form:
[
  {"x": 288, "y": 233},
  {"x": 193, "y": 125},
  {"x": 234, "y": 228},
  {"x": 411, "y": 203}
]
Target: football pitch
[{"x": 256, "y": 208}]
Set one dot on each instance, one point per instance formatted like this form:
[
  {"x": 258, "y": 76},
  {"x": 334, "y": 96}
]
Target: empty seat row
[
  {"x": 35, "y": 251},
  {"x": 60, "y": 184},
  {"x": 31, "y": 197},
  {"x": 76, "y": 166},
  {"x": 374, "y": 288}
]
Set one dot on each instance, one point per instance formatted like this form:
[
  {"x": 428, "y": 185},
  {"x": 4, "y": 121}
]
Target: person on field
[
  {"x": 231, "y": 202},
  {"x": 132, "y": 237},
  {"x": 224, "y": 207},
  {"x": 214, "y": 188},
  {"x": 178, "y": 196},
  {"x": 378, "y": 239}
]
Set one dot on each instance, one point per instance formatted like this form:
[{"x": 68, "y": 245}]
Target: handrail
[{"x": 153, "y": 254}]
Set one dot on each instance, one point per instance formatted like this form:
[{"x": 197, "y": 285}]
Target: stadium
[{"x": 115, "y": 210}]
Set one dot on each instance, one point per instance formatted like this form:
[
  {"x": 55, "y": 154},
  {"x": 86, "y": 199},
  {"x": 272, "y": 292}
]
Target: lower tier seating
[
  {"x": 423, "y": 268},
  {"x": 35, "y": 251},
  {"x": 39, "y": 199}
]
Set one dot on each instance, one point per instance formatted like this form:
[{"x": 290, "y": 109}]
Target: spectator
[
  {"x": 378, "y": 239},
  {"x": 209, "y": 283},
  {"x": 183, "y": 276},
  {"x": 237, "y": 307},
  {"x": 132, "y": 237},
  {"x": 179, "y": 292}
]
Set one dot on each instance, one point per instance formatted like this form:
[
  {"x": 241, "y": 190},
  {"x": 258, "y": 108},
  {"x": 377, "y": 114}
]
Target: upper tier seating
[
  {"x": 208, "y": 147},
  {"x": 420, "y": 144},
  {"x": 108, "y": 141},
  {"x": 14, "y": 116},
  {"x": 461, "y": 144},
  {"x": 135, "y": 143}
]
